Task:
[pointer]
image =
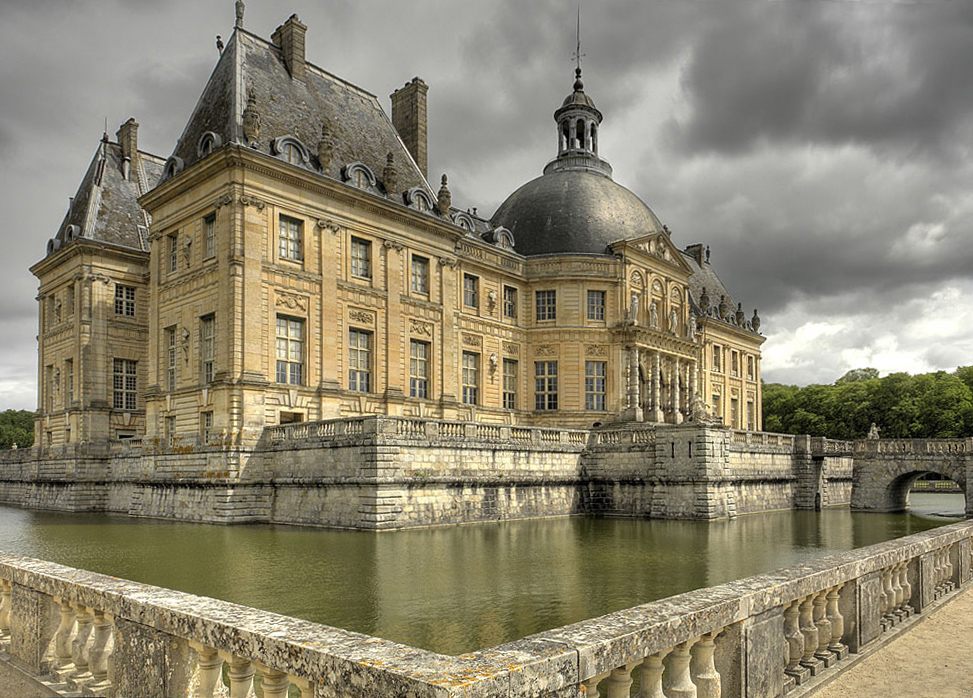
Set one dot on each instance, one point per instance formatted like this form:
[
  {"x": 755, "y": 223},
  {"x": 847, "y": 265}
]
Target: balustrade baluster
[
  {"x": 682, "y": 685},
  {"x": 703, "y": 666},
  {"x": 906, "y": 590},
  {"x": 619, "y": 683},
  {"x": 823, "y": 624},
  {"x": 888, "y": 598},
  {"x": 898, "y": 591},
  {"x": 837, "y": 647},
  {"x": 63, "y": 663},
  {"x": 5, "y": 588},
  {"x": 591, "y": 685},
  {"x": 79, "y": 647},
  {"x": 810, "y": 632},
  {"x": 241, "y": 677},
  {"x": 948, "y": 564},
  {"x": 650, "y": 676},
  {"x": 795, "y": 643},
  {"x": 303, "y": 685},
  {"x": 209, "y": 671},
  {"x": 273, "y": 682},
  {"x": 100, "y": 653}
]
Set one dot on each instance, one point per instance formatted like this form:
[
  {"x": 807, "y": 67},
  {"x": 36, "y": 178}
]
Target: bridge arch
[{"x": 882, "y": 480}]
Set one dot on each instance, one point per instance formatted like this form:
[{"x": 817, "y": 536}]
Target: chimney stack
[
  {"x": 696, "y": 252},
  {"x": 128, "y": 139},
  {"x": 290, "y": 38},
  {"x": 409, "y": 119}
]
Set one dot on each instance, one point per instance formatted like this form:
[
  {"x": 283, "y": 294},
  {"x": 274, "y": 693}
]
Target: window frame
[
  {"x": 546, "y": 386},
  {"x": 599, "y": 308},
  {"x": 286, "y": 367},
  {"x": 509, "y": 383},
  {"x": 172, "y": 363},
  {"x": 360, "y": 267},
  {"x": 419, "y": 262},
  {"x": 545, "y": 305},
  {"x": 596, "y": 386},
  {"x": 125, "y": 301},
  {"x": 205, "y": 427},
  {"x": 717, "y": 362},
  {"x": 207, "y": 348},
  {"x": 290, "y": 238},
  {"x": 124, "y": 384},
  {"x": 209, "y": 236},
  {"x": 360, "y": 359},
  {"x": 470, "y": 377},
  {"x": 471, "y": 291},
  {"x": 419, "y": 369},
  {"x": 68, "y": 382},
  {"x": 172, "y": 253},
  {"x": 511, "y": 300}
]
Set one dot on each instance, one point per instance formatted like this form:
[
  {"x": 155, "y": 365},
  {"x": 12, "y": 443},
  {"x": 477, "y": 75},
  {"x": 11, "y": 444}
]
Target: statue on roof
[
  {"x": 390, "y": 176},
  {"x": 755, "y": 321},
  {"x": 326, "y": 147},
  {"x": 251, "y": 120},
  {"x": 445, "y": 198},
  {"x": 240, "y": 8}
]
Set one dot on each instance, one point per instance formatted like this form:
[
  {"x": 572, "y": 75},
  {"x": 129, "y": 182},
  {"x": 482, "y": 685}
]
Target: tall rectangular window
[
  {"x": 596, "y": 305},
  {"x": 420, "y": 275},
  {"x": 290, "y": 350},
  {"x": 419, "y": 369},
  {"x": 125, "y": 300},
  {"x": 595, "y": 385},
  {"x": 170, "y": 336},
  {"x": 471, "y": 378},
  {"x": 170, "y": 430},
  {"x": 735, "y": 412},
  {"x": 718, "y": 405},
  {"x": 718, "y": 358},
  {"x": 471, "y": 291},
  {"x": 172, "y": 253},
  {"x": 734, "y": 363},
  {"x": 124, "y": 384},
  {"x": 751, "y": 368},
  {"x": 545, "y": 305},
  {"x": 207, "y": 347},
  {"x": 361, "y": 258},
  {"x": 545, "y": 385},
  {"x": 750, "y": 415},
  {"x": 209, "y": 236},
  {"x": 359, "y": 361},
  {"x": 49, "y": 387},
  {"x": 291, "y": 239},
  {"x": 510, "y": 302},
  {"x": 205, "y": 427},
  {"x": 510, "y": 384},
  {"x": 69, "y": 381},
  {"x": 69, "y": 301}
]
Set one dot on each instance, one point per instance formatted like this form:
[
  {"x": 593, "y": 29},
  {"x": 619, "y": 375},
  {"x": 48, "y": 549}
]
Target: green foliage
[
  {"x": 16, "y": 427},
  {"x": 931, "y": 405}
]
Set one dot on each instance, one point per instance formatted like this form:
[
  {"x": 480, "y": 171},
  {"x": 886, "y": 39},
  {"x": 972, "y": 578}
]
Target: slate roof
[
  {"x": 705, "y": 276},
  {"x": 105, "y": 207},
  {"x": 362, "y": 131}
]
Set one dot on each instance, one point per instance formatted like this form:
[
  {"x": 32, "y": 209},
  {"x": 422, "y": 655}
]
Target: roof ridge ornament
[
  {"x": 240, "y": 9},
  {"x": 578, "y": 85},
  {"x": 251, "y": 120}
]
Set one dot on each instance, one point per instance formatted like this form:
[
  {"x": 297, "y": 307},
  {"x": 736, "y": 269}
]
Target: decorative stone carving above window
[
  {"x": 511, "y": 348},
  {"x": 291, "y": 301},
  {"x": 291, "y": 150},
  {"x": 209, "y": 142},
  {"x": 546, "y": 350},
  {"x": 596, "y": 350},
  {"x": 364, "y": 317},
  {"x": 636, "y": 279},
  {"x": 421, "y": 329},
  {"x": 173, "y": 166},
  {"x": 419, "y": 199},
  {"x": 358, "y": 175},
  {"x": 471, "y": 340}
]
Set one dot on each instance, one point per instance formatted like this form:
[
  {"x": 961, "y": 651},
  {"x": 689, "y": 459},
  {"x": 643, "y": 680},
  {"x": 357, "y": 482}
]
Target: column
[
  {"x": 394, "y": 378},
  {"x": 676, "y": 386},
  {"x": 633, "y": 411},
  {"x": 657, "y": 415}
]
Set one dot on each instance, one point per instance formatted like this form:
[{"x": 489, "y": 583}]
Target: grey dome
[{"x": 573, "y": 210}]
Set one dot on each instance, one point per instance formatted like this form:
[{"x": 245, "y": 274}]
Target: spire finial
[
  {"x": 240, "y": 9},
  {"x": 578, "y": 85}
]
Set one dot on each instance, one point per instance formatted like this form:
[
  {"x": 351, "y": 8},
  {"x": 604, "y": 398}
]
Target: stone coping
[{"x": 547, "y": 661}]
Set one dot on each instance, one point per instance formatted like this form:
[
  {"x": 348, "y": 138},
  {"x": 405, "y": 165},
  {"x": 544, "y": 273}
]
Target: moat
[{"x": 455, "y": 589}]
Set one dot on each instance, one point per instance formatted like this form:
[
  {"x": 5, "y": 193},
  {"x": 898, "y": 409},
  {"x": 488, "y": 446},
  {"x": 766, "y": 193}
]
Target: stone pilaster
[{"x": 633, "y": 410}]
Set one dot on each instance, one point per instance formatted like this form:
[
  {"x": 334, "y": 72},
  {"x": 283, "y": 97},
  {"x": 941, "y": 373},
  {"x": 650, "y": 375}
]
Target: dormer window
[
  {"x": 291, "y": 151},
  {"x": 209, "y": 142},
  {"x": 359, "y": 175},
  {"x": 464, "y": 221},
  {"x": 173, "y": 167},
  {"x": 419, "y": 200}
]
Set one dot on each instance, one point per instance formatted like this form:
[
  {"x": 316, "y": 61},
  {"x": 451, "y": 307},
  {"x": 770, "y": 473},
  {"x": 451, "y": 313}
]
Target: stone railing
[
  {"x": 761, "y": 438},
  {"x": 760, "y": 636},
  {"x": 413, "y": 428},
  {"x": 914, "y": 446}
]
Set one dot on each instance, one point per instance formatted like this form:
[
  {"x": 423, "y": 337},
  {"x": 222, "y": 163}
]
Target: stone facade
[{"x": 281, "y": 267}]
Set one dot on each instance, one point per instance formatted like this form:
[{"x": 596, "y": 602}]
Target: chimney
[
  {"x": 290, "y": 38},
  {"x": 696, "y": 252},
  {"x": 128, "y": 138},
  {"x": 409, "y": 119}
]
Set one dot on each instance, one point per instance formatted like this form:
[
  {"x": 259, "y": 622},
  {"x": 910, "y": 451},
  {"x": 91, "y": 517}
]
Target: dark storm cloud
[{"x": 831, "y": 72}]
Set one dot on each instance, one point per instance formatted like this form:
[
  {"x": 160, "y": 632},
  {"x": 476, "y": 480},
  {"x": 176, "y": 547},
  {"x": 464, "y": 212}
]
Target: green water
[{"x": 454, "y": 589}]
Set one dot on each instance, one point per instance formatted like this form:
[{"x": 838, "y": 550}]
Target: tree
[
  {"x": 16, "y": 427},
  {"x": 858, "y": 374}
]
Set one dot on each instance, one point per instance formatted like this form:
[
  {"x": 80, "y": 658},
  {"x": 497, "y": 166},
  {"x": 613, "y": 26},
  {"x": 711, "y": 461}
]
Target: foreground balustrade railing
[{"x": 768, "y": 636}]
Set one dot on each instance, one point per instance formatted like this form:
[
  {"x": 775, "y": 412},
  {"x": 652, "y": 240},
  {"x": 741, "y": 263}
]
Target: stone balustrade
[
  {"x": 913, "y": 446},
  {"x": 761, "y": 438},
  {"x": 766, "y": 636}
]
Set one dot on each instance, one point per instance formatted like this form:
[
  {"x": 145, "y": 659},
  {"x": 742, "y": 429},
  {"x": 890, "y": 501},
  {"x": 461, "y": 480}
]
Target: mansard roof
[
  {"x": 704, "y": 276},
  {"x": 297, "y": 108},
  {"x": 105, "y": 207}
]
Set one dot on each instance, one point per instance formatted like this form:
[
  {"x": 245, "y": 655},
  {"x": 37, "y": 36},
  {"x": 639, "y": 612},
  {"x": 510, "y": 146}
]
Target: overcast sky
[{"x": 821, "y": 147}]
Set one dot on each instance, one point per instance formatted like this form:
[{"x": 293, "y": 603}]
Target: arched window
[
  {"x": 209, "y": 142},
  {"x": 579, "y": 133},
  {"x": 464, "y": 221},
  {"x": 565, "y": 136},
  {"x": 359, "y": 175},
  {"x": 173, "y": 167},
  {"x": 291, "y": 150},
  {"x": 419, "y": 199},
  {"x": 594, "y": 138}
]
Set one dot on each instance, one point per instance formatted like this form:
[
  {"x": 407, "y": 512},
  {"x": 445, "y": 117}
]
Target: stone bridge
[{"x": 885, "y": 469}]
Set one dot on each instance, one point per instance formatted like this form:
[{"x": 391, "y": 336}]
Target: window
[
  {"x": 57, "y": 310},
  {"x": 205, "y": 427},
  {"x": 69, "y": 302},
  {"x": 49, "y": 387},
  {"x": 510, "y": 384},
  {"x": 718, "y": 405},
  {"x": 545, "y": 385},
  {"x": 596, "y": 305},
  {"x": 471, "y": 291},
  {"x": 172, "y": 253},
  {"x": 735, "y": 412},
  {"x": 510, "y": 302},
  {"x": 69, "y": 381},
  {"x": 361, "y": 258},
  {"x": 170, "y": 358},
  {"x": 419, "y": 369},
  {"x": 420, "y": 274},
  {"x": 292, "y": 154},
  {"x": 734, "y": 363},
  {"x": 718, "y": 358},
  {"x": 207, "y": 347},
  {"x": 750, "y": 415},
  {"x": 291, "y": 418},
  {"x": 359, "y": 361},
  {"x": 290, "y": 350},
  {"x": 124, "y": 384},
  {"x": 170, "y": 430},
  {"x": 595, "y": 383},
  {"x": 546, "y": 305},
  {"x": 209, "y": 236},
  {"x": 471, "y": 378},
  {"x": 125, "y": 300},
  {"x": 291, "y": 239},
  {"x": 751, "y": 368}
]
